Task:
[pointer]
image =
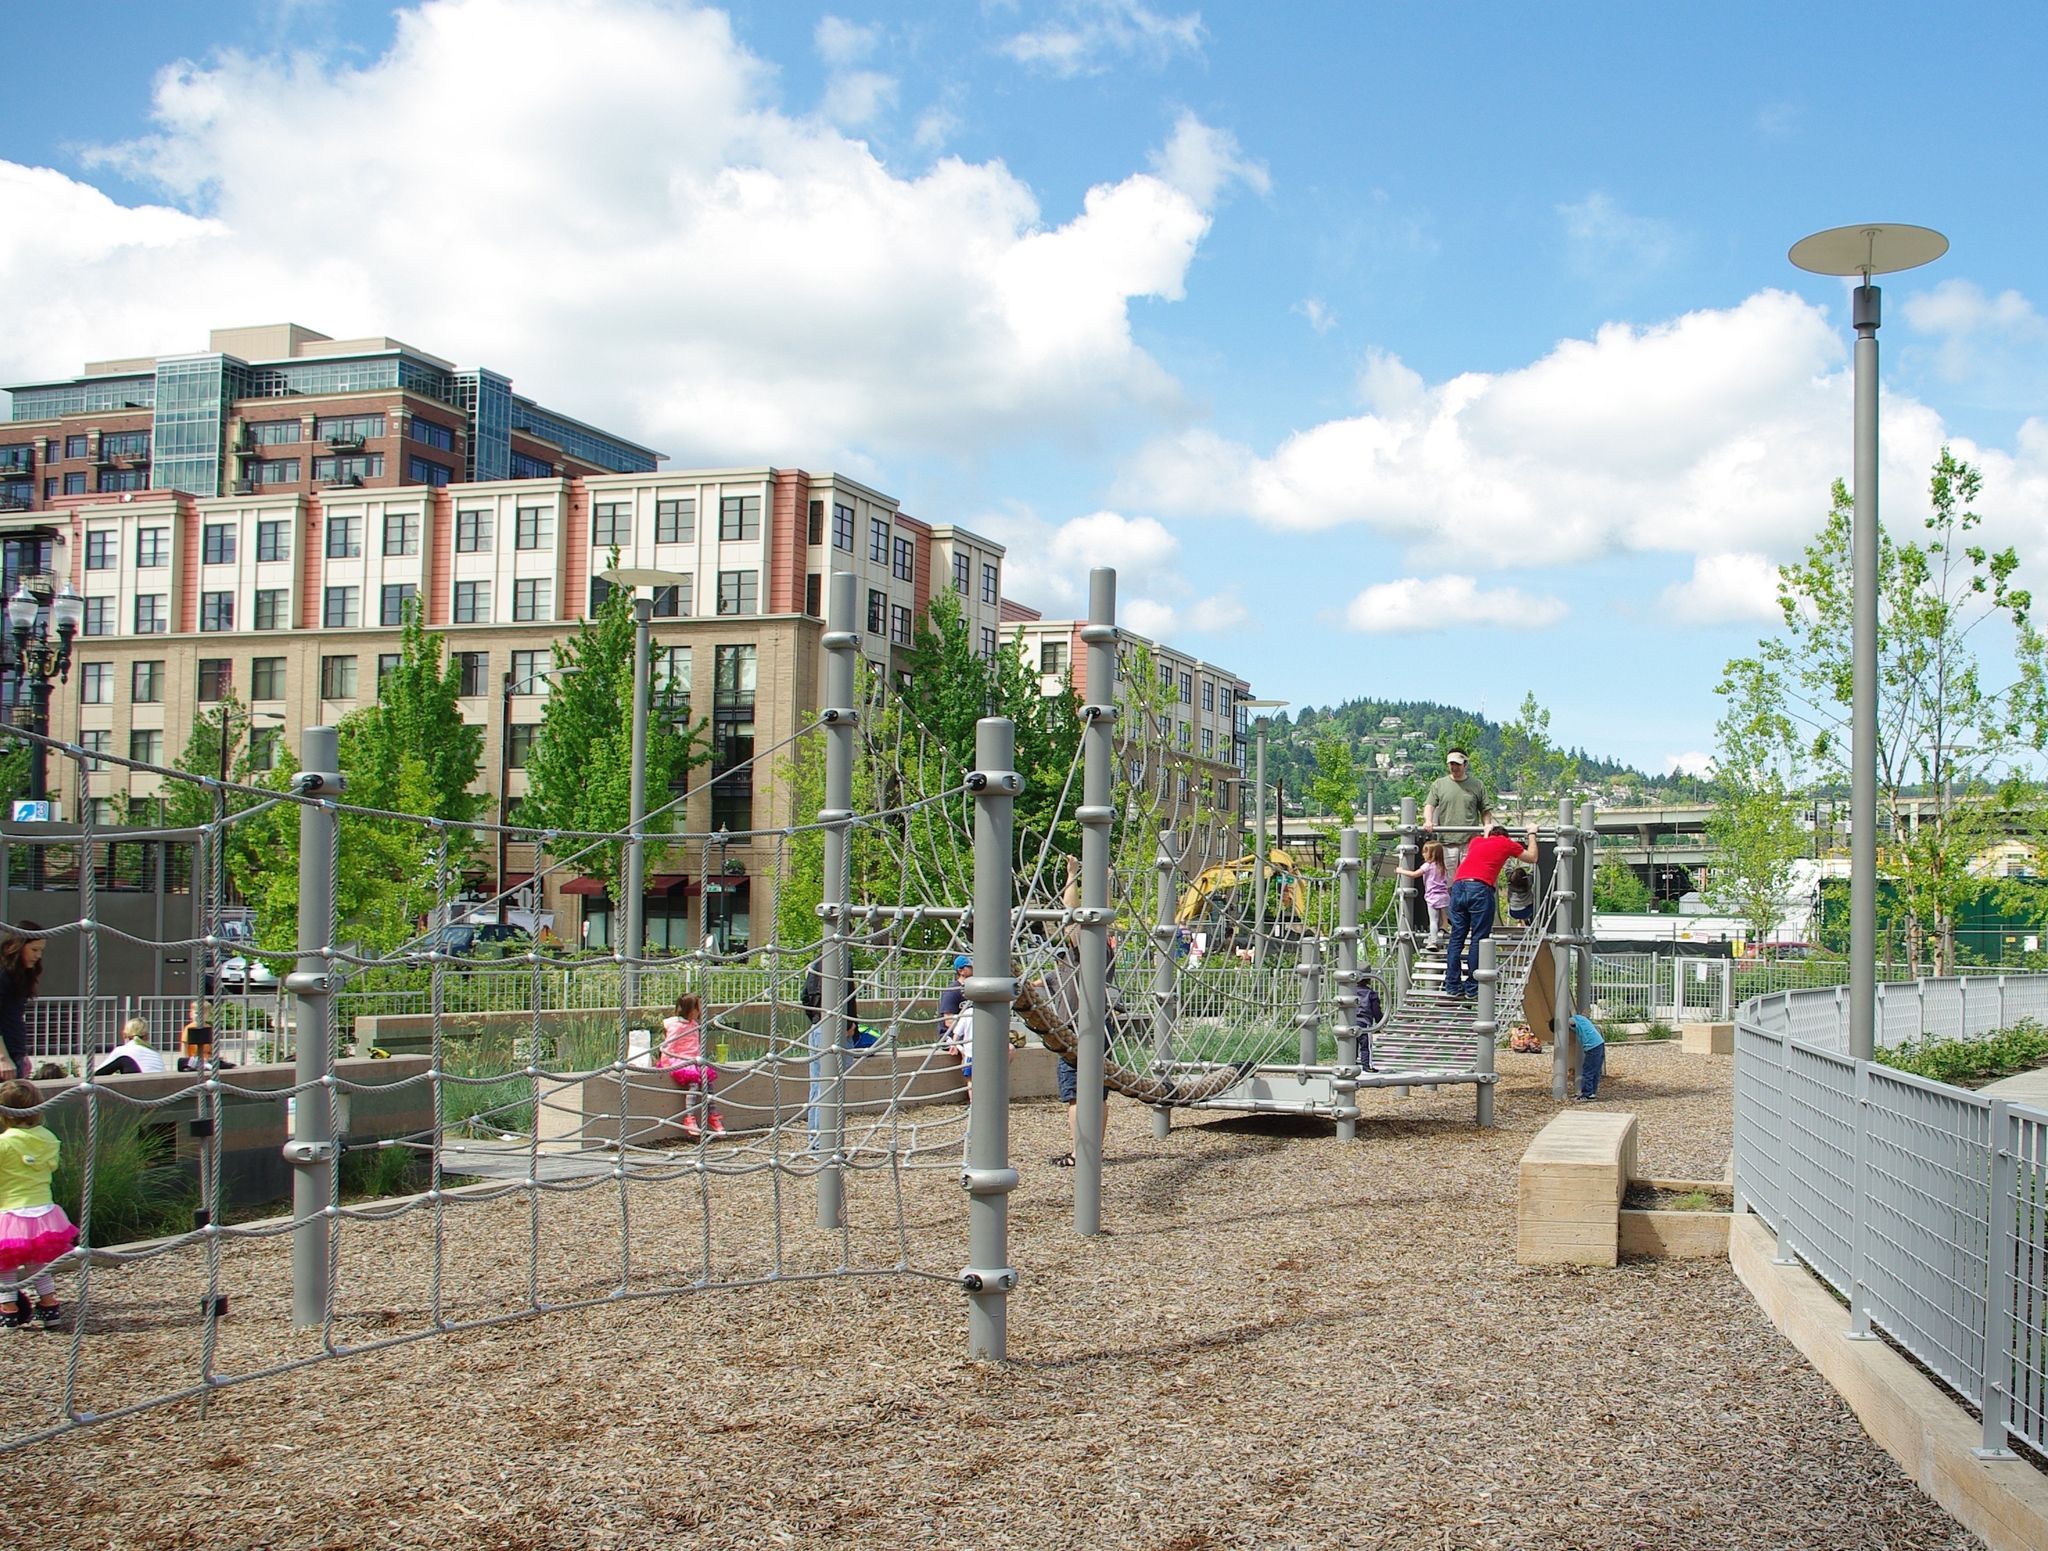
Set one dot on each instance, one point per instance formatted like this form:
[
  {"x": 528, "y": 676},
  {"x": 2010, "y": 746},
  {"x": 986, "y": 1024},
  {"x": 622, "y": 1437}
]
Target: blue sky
[{"x": 1427, "y": 351}]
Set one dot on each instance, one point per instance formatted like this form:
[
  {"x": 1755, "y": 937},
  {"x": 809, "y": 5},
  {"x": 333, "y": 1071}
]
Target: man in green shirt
[{"x": 1456, "y": 799}]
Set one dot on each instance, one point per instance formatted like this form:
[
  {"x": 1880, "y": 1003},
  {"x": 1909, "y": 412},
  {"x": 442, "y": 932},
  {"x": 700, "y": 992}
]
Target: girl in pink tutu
[
  {"x": 33, "y": 1228},
  {"x": 682, "y": 1057}
]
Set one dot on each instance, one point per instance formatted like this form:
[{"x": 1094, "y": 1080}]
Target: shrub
[
  {"x": 1962, "y": 1062},
  {"x": 138, "y": 1190}
]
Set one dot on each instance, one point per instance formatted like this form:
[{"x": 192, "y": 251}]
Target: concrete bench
[
  {"x": 1571, "y": 1185},
  {"x": 1707, "y": 1039}
]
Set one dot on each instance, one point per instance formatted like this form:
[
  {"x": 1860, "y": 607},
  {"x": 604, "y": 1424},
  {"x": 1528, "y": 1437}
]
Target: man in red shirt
[{"x": 1472, "y": 905}]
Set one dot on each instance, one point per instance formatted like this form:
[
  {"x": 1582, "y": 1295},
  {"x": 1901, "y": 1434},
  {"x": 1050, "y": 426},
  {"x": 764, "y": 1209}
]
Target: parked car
[
  {"x": 478, "y": 940},
  {"x": 240, "y": 975},
  {"x": 1783, "y": 952}
]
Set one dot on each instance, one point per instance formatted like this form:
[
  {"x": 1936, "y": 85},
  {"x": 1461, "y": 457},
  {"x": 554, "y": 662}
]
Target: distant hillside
[{"x": 1399, "y": 747}]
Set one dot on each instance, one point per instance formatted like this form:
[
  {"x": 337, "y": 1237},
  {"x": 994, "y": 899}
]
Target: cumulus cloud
[
  {"x": 1202, "y": 161},
  {"x": 646, "y": 236},
  {"x": 1319, "y": 316},
  {"x": 1604, "y": 242},
  {"x": 1090, "y": 36},
  {"x": 1047, "y": 567},
  {"x": 853, "y": 96},
  {"x": 1714, "y": 433},
  {"x": 1693, "y": 762},
  {"x": 1724, "y": 589},
  {"x": 1416, "y": 605},
  {"x": 843, "y": 44}
]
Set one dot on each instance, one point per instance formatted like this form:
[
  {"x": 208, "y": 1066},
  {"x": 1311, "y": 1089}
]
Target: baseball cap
[
  {"x": 963, "y": 962},
  {"x": 1455, "y": 757}
]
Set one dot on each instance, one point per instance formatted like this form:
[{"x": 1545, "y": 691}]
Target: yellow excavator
[{"x": 1211, "y": 900}]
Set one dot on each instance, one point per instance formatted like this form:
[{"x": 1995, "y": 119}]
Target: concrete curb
[{"x": 2003, "y": 1502}]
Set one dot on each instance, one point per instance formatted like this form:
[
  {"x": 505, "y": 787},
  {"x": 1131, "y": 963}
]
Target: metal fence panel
[
  {"x": 2025, "y": 1361},
  {"x": 1820, "y": 1154},
  {"x": 1759, "y": 1122}
]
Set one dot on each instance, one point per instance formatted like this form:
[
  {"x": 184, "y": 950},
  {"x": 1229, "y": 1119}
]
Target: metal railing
[{"x": 1924, "y": 1205}]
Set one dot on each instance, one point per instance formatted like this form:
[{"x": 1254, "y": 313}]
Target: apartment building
[
  {"x": 293, "y": 600},
  {"x": 1200, "y": 726}
]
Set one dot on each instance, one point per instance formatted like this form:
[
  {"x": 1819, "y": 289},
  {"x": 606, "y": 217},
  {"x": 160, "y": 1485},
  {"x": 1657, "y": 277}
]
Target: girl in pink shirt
[
  {"x": 1436, "y": 888},
  {"x": 682, "y": 1057}
]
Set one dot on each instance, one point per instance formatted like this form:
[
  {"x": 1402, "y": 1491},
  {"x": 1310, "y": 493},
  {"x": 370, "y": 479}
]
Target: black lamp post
[{"x": 33, "y": 615}]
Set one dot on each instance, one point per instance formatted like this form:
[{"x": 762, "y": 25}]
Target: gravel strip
[{"x": 1278, "y": 1342}]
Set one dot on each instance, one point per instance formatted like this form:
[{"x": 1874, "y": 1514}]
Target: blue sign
[{"x": 34, "y": 810}]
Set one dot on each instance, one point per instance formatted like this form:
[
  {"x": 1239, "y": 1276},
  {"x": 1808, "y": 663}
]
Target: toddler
[
  {"x": 682, "y": 1057},
  {"x": 1436, "y": 888},
  {"x": 33, "y": 1228}
]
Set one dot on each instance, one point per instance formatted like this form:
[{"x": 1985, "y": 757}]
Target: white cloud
[
  {"x": 854, "y": 97},
  {"x": 843, "y": 44},
  {"x": 1724, "y": 589},
  {"x": 1693, "y": 762},
  {"x": 1047, "y": 566},
  {"x": 1091, "y": 36},
  {"x": 646, "y": 238},
  {"x": 937, "y": 125},
  {"x": 1202, "y": 162},
  {"x": 1416, "y": 605},
  {"x": 1715, "y": 433},
  {"x": 1319, "y": 316},
  {"x": 1604, "y": 242}
]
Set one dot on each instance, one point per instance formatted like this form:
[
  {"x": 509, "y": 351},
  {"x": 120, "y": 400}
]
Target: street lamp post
[
  {"x": 1865, "y": 251},
  {"x": 33, "y": 614},
  {"x": 1259, "y": 842}
]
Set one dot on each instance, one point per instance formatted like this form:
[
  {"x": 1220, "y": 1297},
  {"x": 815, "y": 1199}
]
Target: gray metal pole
[
  {"x": 1404, "y": 890},
  {"x": 1485, "y": 1025},
  {"x": 1259, "y": 864},
  {"x": 1165, "y": 969},
  {"x": 834, "y": 972},
  {"x": 1345, "y": 1085},
  {"x": 1309, "y": 1019},
  {"x": 311, "y": 1149},
  {"x": 1094, "y": 815},
  {"x": 989, "y": 1178},
  {"x": 636, "y": 809},
  {"x": 1589, "y": 847},
  {"x": 1564, "y": 1063},
  {"x": 1866, "y": 311}
]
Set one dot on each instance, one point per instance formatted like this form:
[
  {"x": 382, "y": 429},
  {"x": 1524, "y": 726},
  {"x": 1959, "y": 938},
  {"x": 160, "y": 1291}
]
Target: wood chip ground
[{"x": 1280, "y": 1341}]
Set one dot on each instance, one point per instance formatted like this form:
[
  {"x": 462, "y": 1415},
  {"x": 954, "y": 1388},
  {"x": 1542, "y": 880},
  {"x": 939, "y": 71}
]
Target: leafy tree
[
  {"x": 1946, "y": 732},
  {"x": 417, "y": 714},
  {"x": 1754, "y": 829},
  {"x": 1531, "y": 766},
  {"x": 1617, "y": 888},
  {"x": 579, "y": 771},
  {"x": 14, "y": 760},
  {"x": 1333, "y": 789}
]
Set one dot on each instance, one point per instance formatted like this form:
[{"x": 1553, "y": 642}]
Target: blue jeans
[
  {"x": 1591, "y": 1064},
  {"x": 1472, "y": 906}
]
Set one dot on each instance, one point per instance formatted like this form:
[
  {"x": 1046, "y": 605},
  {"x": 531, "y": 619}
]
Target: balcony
[
  {"x": 17, "y": 503},
  {"x": 345, "y": 443},
  {"x": 245, "y": 487},
  {"x": 344, "y": 482}
]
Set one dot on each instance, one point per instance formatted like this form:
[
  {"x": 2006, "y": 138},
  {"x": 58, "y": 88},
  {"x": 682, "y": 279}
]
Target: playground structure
[{"x": 1277, "y": 1038}]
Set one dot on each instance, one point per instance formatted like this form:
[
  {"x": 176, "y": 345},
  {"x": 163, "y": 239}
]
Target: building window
[
  {"x": 1165, "y": 674},
  {"x": 738, "y": 592},
  {"x": 96, "y": 740},
  {"x": 1187, "y": 689},
  {"x": 428, "y": 434},
  {"x": 471, "y": 670},
  {"x": 899, "y": 625},
  {"x": 391, "y": 607},
  {"x": 814, "y": 595},
  {"x": 472, "y": 603},
  {"x": 878, "y": 540},
  {"x": 1223, "y": 698},
  {"x": 519, "y": 739},
  {"x": 878, "y": 611},
  {"x": 600, "y": 589},
  {"x": 473, "y": 533},
  {"x": 530, "y": 599},
  {"x": 265, "y": 744},
  {"x": 344, "y": 538},
  {"x": 217, "y": 544},
  {"x": 675, "y": 602},
  {"x": 963, "y": 575},
  {"x": 99, "y": 550},
  {"x": 1208, "y": 694},
  {"x": 146, "y": 744},
  {"x": 739, "y": 517},
  {"x": 337, "y": 678},
  {"x": 347, "y": 428},
  {"x": 96, "y": 683},
  {"x": 906, "y": 560},
  {"x": 1187, "y": 735},
  {"x": 988, "y": 643},
  {"x": 387, "y": 664},
  {"x": 273, "y": 433},
  {"x": 216, "y": 611},
  {"x": 272, "y": 609},
  {"x": 529, "y": 669},
  {"x": 534, "y": 527},
  {"x": 991, "y": 584},
  {"x": 342, "y": 609},
  {"x": 1208, "y": 743},
  {"x": 352, "y": 470},
  {"x": 273, "y": 540},
  {"x": 216, "y": 678},
  {"x": 814, "y": 527},
  {"x": 146, "y": 682},
  {"x": 152, "y": 548},
  {"x": 675, "y": 522},
  {"x": 732, "y": 738},
  {"x": 111, "y": 480},
  {"x": 74, "y": 446},
  {"x": 842, "y": 527},
  {"x": 522, "y": 466},
  {"x": 266, "y": 678},
  {"x": 401, "y": 533},
  {"x": 611, "y": 525},
  {"x": 124, "y": 444},
  {"x": 74, "y": 484},
  {"x": 1052, "y": 656},
  {"x": 275, "y": 471}
]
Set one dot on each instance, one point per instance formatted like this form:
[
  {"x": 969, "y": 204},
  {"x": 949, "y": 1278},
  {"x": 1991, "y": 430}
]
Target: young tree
[
  {"x": 1947, "y": 733},
  {"x": 1531, "y": 766},
  {"x": 1754, "y": 828},
  {"x": 417, "y": 714},
  {"x": 1333, "y": 789},
  {"x": 1617, "y": 888}
]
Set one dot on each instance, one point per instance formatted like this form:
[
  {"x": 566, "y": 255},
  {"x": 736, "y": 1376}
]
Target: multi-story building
[
  {"x": 293, "y": 601},
  {"x": 1197, "y": 710}
]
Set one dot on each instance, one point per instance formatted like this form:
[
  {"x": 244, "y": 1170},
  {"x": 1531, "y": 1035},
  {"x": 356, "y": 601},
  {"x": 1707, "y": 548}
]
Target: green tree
[
  {"x": 1947, "y": 735},
  {"x": 1531, "y": 766},
  {"x": 579, "y": 771},
  {"x": 1754, "y": 828},
  {"x": 417, "y": 715},
  {"x": 1333, "y": 789},
  {"x": 1617, "y": 888},
  {"x": 14, "y": 759}
]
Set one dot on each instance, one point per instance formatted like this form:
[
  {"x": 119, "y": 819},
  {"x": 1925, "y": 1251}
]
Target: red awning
[
  {"x": 584, "y": 886},
  {"x": 669, "y": 883}
]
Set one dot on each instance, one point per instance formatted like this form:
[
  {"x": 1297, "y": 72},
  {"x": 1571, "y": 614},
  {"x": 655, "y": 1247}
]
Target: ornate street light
[{"x": 34, "y": 616}]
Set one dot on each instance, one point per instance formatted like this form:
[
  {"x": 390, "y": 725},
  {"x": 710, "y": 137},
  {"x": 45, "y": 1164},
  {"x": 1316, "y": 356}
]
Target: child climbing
[
  {"x": 1436, "y": 889},
  {"x": 1521, "y": 883},
  {"x": 33, "y": 1229},
  {"x": 682, "y": 1057}
]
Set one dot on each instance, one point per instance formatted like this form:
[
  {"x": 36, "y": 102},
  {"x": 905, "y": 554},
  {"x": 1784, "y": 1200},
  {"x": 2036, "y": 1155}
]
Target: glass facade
[
  {"x": 487, "y": 398},
  {"x": 192, "y": 394},
  {"x": 582, "y": 441},
  {"x": 80, "y": 398}
]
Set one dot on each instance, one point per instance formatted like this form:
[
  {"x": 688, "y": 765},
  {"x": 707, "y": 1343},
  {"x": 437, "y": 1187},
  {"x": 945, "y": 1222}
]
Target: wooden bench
[{"x": 1572, "y": 1181}]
